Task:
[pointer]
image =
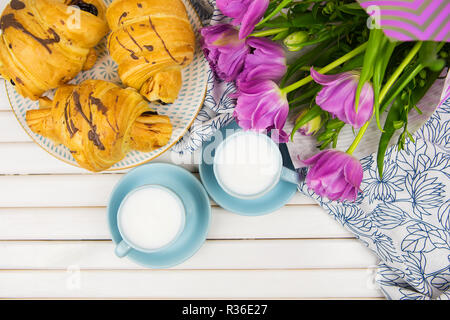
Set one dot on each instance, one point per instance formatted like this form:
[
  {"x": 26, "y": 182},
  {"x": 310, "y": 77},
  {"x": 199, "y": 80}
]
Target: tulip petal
[
  {"x": 262, "y": 106},
  {"x": 328, "y": 80},
  {"x": 334, "y": 174},
  {"x": 224, "y": 50},
  {"x": 353, "y": 172},
  {"x": 266, "y": 61},
  {"x": 252, "y": 16},
  {"x": 232, "y": 8}
]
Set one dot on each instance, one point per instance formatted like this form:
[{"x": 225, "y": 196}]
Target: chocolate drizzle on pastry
[
  {"x": 103, "y": 109},
  {"x": 133, "y": 39},
  {"x": 87, "y": 7},
  {"x": 123, "y": 15},
  {"x": 160, "y": 38},
  {"x": 149, "y": 114},
  {"x": 17, "y": 5},
  {"x": 9, "y": 21},
  {"x": 92, "y": 134},
  {"x": 69, "y": 122},
  {"x": 96, "y": 101},
  {"x": 132, "y": 53}
]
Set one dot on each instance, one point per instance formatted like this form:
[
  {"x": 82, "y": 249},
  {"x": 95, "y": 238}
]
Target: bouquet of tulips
[{"x": 347, "y": 74}]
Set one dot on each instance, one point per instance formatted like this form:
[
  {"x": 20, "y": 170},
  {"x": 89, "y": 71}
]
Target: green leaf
[
  {"x": 281, "y": 35},
  {"x": 398, "y": 124},
  {"x": 428, "y": 53},
  {"x": 353, "y": 9},
  {"x": 355, "y": 63},
  {"x": 305, "y": 96},
  {"x": 307, "y": 19},
  {"x": 327, "y": 135},
  {"x": 373, "y": 46},
  {"x": 305, "y": 59},
  {"x": 278, "y": 22},
  {"x": 378, "y": 75},
  {"x": 395, "y": 114}
]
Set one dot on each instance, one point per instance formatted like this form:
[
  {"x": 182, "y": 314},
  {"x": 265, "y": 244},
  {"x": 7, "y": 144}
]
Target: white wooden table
[{"x": 55, "y": 243}]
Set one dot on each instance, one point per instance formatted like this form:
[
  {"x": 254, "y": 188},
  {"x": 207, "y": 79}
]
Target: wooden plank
[
  {"x": 11, "y": 131},
  {"x": 29, "y": 158},
  {"x": 89, "y": 224},
  {"x": 214, "y": 254},
  {"x": 189, "y": 284},
  {"x": 4, "y": 102},
  {"x": 90, "y": 190}
]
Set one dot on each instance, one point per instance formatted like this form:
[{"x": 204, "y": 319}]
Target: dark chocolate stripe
[
  {"x": 164, "y": 44},
  {"x": 132, "y": 53},
  {"x": 9, "y": 21}
]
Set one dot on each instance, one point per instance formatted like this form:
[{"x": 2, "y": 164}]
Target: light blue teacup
[
  {"x": 132, "y": 239},
  {"x": 258, "y": 165}
]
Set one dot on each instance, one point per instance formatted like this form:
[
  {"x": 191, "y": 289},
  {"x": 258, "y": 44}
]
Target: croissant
[
  {"x": 151, "y": 41},
  {"x": 46, "y": 43},
  {"x": 99, "y": 123}
]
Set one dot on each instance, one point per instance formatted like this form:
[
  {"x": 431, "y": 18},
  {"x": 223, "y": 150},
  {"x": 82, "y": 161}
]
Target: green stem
[
  {"x": 384, "y": 91},
  {"x": 359, "y": 137},
  {"x": 411, "y": 75},
  {"x": 400, "y": 69},
  {"x": 274, "y": 12},
  {"x": 268, "y": 32},
  {"x": 327, "y": 68}
]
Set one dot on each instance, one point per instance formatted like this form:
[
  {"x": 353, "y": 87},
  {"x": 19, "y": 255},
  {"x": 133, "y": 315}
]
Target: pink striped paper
[{"x": 409, "y": 20}]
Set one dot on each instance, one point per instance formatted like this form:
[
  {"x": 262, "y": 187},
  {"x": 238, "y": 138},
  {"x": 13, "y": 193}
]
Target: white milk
[
  {"x": 247, "y": 164},
  {"x": 151, "y": 217}
]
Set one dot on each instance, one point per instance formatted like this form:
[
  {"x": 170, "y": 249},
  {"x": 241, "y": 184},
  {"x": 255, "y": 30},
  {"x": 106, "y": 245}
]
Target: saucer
[
  {"x": 196, "y": 203},
  {"x": 269, "y": 202}
]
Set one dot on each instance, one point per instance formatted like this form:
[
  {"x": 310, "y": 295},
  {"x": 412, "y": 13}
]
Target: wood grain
[
  {"x": 87, "y": 223},
  {"x": 189, "y": 283},
  {"x": 215, "y": 254}
]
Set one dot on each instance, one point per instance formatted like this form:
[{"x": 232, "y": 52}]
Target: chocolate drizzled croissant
[
  {"x": 45, "y": 43},
  {"x": 100, "y": 123},
  {"x": 151, "y": 41}
]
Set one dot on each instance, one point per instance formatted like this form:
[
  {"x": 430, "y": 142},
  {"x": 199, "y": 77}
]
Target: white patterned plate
[{"x": 181, "y": 113}]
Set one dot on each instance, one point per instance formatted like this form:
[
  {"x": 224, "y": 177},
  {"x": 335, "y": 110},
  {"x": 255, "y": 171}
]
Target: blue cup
[
  {"x": 126, "y": 245},
  {"x": 277, "y": 170}
]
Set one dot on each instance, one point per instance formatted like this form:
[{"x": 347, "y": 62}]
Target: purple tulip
[
  {"x": 334, "y": 174},
  {"x": 338, "y": 97},
  {"x": 247, "y": 13},
  {"x": 262, "y": 106},
  {"x": 224, "y": 50},
  {"x": 266, "y": 61}
]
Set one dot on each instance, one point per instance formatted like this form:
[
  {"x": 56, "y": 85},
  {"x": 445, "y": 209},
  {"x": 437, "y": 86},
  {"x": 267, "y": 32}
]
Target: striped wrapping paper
[{"x": 408, "y": 20}]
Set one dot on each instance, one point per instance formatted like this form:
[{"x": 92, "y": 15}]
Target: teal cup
[
  {"x": 127, "y": 244},
  {"x": 274, "y": 168}
]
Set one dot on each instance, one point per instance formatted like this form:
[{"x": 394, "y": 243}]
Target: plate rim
[{"x": 165, "y": 148}]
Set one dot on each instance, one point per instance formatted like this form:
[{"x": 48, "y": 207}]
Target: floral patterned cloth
[{"x": 403, "y": 218}]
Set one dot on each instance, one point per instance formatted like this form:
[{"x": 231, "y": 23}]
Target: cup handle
[
  {"x": 290, "y": 176},
  {"x": 122, "y": 249}
]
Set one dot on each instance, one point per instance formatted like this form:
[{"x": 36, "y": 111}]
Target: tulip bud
[
  {"x": 311, "y": 127},
  {"x": 293, "y": 42}
]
